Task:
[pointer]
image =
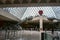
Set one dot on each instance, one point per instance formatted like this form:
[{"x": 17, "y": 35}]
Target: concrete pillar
[
  {"x": 41, "y": 23},
  {"x": 41, "y": 26}
]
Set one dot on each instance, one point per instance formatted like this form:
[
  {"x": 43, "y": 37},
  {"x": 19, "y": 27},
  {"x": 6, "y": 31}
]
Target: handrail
[{"x": 48, "y": 36}]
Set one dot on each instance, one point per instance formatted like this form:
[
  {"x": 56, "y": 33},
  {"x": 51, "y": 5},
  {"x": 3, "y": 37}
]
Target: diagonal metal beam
[{"x": 8, "y": 15}]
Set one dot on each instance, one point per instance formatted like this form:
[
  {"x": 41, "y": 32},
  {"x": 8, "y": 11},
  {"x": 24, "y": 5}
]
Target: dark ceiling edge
[{"x": 29, "y": 5}]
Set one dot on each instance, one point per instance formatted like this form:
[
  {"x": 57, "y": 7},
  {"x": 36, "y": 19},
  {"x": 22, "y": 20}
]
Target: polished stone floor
[{"x": 20, "y": 35}]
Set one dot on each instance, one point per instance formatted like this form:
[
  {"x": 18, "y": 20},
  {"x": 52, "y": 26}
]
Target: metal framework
[{"x": 16, "y": 3}]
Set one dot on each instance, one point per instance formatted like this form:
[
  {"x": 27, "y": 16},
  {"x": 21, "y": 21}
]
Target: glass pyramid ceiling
[
  {"x": 57, "y": 12},
  {"x": 16, "y": 11},
  {"x": 23, "y": 12},
  {"x": 33, "y": 11}
]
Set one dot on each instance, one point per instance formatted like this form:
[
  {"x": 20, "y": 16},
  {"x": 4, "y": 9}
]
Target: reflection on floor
[{"x": 19, "y": 35}]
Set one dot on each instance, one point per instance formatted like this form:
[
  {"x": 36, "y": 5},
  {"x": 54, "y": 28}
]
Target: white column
[{"x": 41, "y": 25}]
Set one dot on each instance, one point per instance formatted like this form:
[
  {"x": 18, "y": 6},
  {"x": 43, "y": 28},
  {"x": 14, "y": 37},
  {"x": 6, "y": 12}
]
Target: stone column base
[{"x": 41, "y": 29}]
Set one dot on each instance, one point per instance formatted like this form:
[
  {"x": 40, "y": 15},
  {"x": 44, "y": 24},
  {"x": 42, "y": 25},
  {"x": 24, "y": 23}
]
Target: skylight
[{"x": 23, "y": 12}]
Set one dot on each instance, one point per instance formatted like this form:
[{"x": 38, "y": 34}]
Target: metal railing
[{"x": 51, "y": 37}]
